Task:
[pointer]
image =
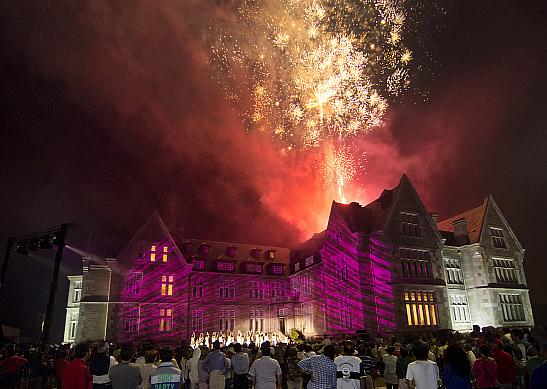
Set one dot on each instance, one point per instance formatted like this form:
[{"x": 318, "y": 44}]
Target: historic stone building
[{"x": 385, "y": 267}]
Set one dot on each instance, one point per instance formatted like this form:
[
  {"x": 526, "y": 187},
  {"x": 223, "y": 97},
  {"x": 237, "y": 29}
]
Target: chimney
[
  {"x": 203, "y": 249},
  {"x": 230, "y": 251},
  {"x": 255, "y": 254},
  {"x": 434, "y": 217},
  {"x": 461, "y": 236}
]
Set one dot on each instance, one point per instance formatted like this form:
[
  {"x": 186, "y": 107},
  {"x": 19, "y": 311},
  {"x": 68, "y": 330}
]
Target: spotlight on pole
[
  {"x": 57, "y": 238},
  {"x": 34, "y": 245},
  {"x": 45, "y": 242},
  {"x": 22, "y": 247}
]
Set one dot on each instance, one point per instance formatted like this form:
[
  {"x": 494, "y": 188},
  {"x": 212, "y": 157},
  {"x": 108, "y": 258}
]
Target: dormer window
[
  {"x": 308, "y": 261},
  {"x": 225, "y": 266},
  {"x": 270, "y": 255},
  {"x": 277, "y": 269},
  {"x": 255, "y": 253},
  {"x": 203, "y": 249},
  {"x": 297, "y": 266},
  {"x": 497, "y": 238},
  {"x": 254, "y": 268},
  {"x": 199, "y": 264}
]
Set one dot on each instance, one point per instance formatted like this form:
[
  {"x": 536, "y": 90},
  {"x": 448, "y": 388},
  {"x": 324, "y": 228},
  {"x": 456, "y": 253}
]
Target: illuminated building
[{"x": 385, "y": 267}]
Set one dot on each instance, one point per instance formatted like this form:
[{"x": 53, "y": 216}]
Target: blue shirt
[
  {"x": 216, "y": 360},
  {"x": 539, "y": 377},
  {"x": 323, "y": 371},
  {"x": 454, "y": 381}
]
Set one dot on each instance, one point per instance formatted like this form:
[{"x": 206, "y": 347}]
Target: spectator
[
  {"x": 240, "y": 364},
  {"x": 539, "y": 375},
  {"x": 203, "y": 376},
  {"x": 485, "y": 369},
  {"x": 294, "y": 374},
  {"x": 167, "y": 375},
  {"x": 60, "y": 364},
  {"x": 76, "y": 375},
  {"x": 422, "y": 373},
  {"x": 150, "y": 358},
  {"x": 457, "y": 369},
  {"x": 99, "y": 366},
  {"x": 126, "y": 375},
  {"x": 349, "y": 369},
  {"x": 265, "y": 372},
  {"x": 193, "y": 368},
  {"x": 322, "y": 369},
  {"x": 505, "y": 364},
  {"x": 402, "y": 366},
  {"x": 217, "y": 365},
  {"x": 390, "y": 369}
]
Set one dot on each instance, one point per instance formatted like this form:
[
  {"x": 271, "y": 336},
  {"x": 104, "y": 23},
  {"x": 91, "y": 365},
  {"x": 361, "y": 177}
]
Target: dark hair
[
  {"x": 330, "y": 351},
  {"x": 390, "y": 350},
  {"x": 266, "y": 351},
  {"x": 308, "y": 347},
  {"x": 81, "y": 349},
  {"x": 404, "y": 352},
  {"x": 166, "y": 354},
  {"x": 127, "y": 352},
  {"x": 349, "y": 348},
  {"x": 216, "y": 345},
  {"x": 484, "y": 350},
  {"x": 237, "y": 347},
  {"x": 150, "y": 356},
  {"x": 420, "y": 350},
  {"x": 457, "y": 358}
]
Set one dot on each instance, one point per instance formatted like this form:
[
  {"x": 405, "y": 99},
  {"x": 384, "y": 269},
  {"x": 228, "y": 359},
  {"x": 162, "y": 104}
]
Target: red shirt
[
  {"x": 507, "y": 371},
  {"x": 76, "y": 375},
  {"x": 60, "y": 365},
  {"x": 13, "y": 364}
]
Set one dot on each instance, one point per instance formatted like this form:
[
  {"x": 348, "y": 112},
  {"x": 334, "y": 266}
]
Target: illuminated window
[
  {"x": 197, "y": 320},
  {"x": 73, "y": 325},
  {"x": 497, "y": 238},
  {"x": 166, "y": 319},
  {"x": 256, "y": 320},
  {"x": 459, "y": 309},
  {"x": 512, "y": 307},
  {"x": 410, "y": 224},
  {"x": 454, "y": 273},
  {"x": 420, "y": 308},
  {"x": 77, "y": 292},
  {"x": 131, "y": 323},
  {"x": 164, "y": 256},
  {"x": 226, "y": 319},
  {"x": 153, "y": 254},
  {"x": 505, "y": 270},
  {"x": 166, "y": 285},
  {"x": 134, "y": 282},
  {"x": 227, "y": 290},
  {"x": 415, "y": 263}
]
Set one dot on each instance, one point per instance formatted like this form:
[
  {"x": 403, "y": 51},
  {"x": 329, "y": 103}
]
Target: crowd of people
[{"x": 491, "y": 358}]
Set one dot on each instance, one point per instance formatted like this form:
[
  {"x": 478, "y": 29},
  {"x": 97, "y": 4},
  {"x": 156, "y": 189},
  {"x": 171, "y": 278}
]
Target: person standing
[
  {"x": 76, "y": 375},
  {"x": 167, "y": 375},
  {"x": 217, "y": 365},
  {"x": 193, "y": 368},
  {"x": 126, "y": 375},
  {"x": 485, "y": 369},
  {"x": 538, "y": 380},
  {"x": 294, "y": 374},
  {"x": 265, "y": 372},
  {"x": 322, "y": 368},
  {"x": 240, "y": 364},
  {"x": 457, "y": 369},
  {"x": 390, "y": 369},
  {"x": 402, "y": 366},
  {"x": 505, "y": 364},
  {"x": 149, "y": 367},
  {"x": 99, "y": 366},
  {"x": 349, "y": 371},
  {"x": 422, "y": 373}
]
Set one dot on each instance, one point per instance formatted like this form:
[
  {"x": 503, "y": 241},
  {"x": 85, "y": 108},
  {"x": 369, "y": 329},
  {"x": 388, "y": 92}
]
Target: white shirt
[
  {"x": 424, "y": 373},
  {"x": 348, "y": 364},
  {"x": 265, "y": 371}
]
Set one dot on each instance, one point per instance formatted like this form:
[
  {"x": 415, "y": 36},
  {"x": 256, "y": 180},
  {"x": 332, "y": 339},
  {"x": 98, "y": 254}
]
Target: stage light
[
  {"x": 34, "y": 244},
  {"x": 57, "y": 238},
  {"x": 22, "y": 247},
  {"x": 45, "y": 242}
]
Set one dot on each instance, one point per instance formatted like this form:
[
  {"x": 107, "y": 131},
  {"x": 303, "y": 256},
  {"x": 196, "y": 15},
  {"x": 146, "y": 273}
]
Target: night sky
[{"x": 109, "y": 112}]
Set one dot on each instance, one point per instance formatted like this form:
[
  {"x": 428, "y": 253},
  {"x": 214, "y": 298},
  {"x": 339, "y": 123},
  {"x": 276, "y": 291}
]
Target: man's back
[
  {"x": 166, "y": 376},
  {"x": 125, "y": 375},
  {"x": 265, "y": 370},
  {"x": 348, "y": 372},
  {"x": 76, "y": 375},
  {"x": 424, "y": 373}
]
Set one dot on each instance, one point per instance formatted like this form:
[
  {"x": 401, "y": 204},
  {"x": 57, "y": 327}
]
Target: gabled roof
[{"x": 474, "y": 219}]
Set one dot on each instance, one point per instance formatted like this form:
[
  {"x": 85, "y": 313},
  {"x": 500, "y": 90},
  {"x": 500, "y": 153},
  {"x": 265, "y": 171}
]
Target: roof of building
[{"x": 474, "y": 219}]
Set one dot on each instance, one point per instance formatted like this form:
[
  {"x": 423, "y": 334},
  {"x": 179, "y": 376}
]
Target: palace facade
[{"x": 385, "y": 267}]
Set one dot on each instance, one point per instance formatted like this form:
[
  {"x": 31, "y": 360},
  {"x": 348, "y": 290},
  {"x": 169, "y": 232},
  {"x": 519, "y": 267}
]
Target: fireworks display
[{"x": 313, "y": 73}]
